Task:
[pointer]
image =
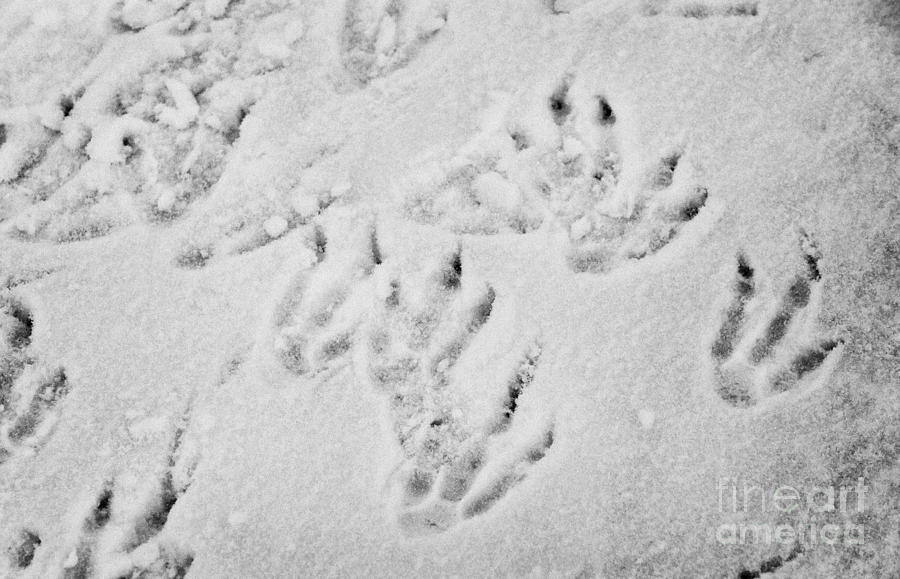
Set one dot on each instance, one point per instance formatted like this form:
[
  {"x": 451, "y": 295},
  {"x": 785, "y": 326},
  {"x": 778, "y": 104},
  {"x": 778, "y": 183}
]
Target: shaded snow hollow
[{"x": 390, "y": 288}]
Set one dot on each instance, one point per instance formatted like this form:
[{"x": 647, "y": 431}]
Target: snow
[
  {"x": 275, "y": 226},
  {"x": 430, "y": 288},
  {"x": 186, "y": 108}
]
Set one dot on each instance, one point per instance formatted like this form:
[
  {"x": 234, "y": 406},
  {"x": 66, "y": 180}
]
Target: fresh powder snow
[{"x": 449, "y": 288}]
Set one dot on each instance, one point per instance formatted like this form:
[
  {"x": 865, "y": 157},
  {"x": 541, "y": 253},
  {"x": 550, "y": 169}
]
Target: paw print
[
  {"x": 756, "y": 361},
  {"x": 558, "y": 164}
]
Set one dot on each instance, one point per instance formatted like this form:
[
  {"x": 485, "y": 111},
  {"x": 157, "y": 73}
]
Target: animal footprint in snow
[
  {"x": 560, "y": 166},
  {"x": 653, "y": 218},
  {"x": 452, "y": 468},
  {"x": 124, "y": 531},
  {"x": 756, "y": 361},
  {"x": 31, "y": 394},
  {"x": 320, "y": 313},
  {"x": 225, "y": 225},
  {"x": 144, "y": 131},
  {"x": 382, "y": 35}
]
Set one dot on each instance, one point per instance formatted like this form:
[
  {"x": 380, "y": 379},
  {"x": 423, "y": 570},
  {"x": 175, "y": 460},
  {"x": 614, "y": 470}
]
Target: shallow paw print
[
  {"x": 666, "y": 201},
  {"x": 320, "y": 314},
  {"x": 380, "y": 36},
  {"x": 122, "y": 532},
  {"x": 31, "y": 393},
  {"x": 224, "y": 227},
  {"x": 760, "y": 360},
  {"x": 558, "y": 164},
  {"x": 468, "y": 484}
]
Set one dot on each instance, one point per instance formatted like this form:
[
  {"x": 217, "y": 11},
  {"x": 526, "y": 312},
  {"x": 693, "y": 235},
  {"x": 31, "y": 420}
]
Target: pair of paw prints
[
  {"x": 379, "y": 36},
  {"x": 560, "y": 166},
  {"x": 121, "y": 530},
  {"x": 762, "y": 354},
  {"x": 31, "y": 393},
  {"x": 408, "y": 332},
  {"x": 145, "y": 130}
]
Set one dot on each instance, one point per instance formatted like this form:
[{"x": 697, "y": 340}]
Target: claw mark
[
  {"x": 320, "y": 243},
  {"x": 559, "y": 103},
  {"x": 452, "y": 272},
  {"x": 375, "y": 248}
]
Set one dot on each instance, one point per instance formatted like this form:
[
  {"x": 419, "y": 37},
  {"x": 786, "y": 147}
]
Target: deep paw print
[
  {"x": 321, "y": 311},
  {"x": 31, "y": 393},
  {"x": 380, "y": 36},
  {"x": 451, "y": 469},
  {"x": 123, "y": 533},
  {"x": 560, "y": 167},
  {"x": 756, "y": 361}
]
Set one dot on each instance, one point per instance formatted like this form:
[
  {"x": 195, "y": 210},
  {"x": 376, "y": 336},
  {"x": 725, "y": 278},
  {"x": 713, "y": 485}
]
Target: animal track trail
[
  {"x": 561, "y": 167},
  {"x": 146, "y": 130},
  {"x": 756, "y": 361},
  {"x": 451, "y": 469},
  {"x": 31, "y": 394},
  {"x": 123, "y": 534},
  {"x": 380, "y": 36}
]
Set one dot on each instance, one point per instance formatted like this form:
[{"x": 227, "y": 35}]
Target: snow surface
[{"x": 401, "y": 288}]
